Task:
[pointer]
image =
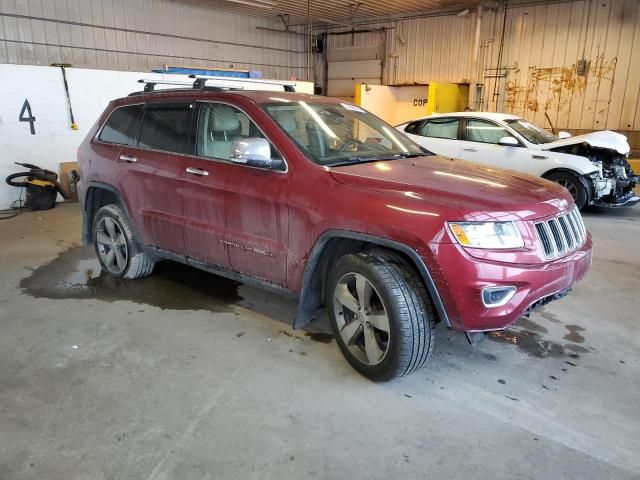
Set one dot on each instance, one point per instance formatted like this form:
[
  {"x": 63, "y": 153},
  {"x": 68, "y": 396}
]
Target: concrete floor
[{"x": 204, "y": 379}]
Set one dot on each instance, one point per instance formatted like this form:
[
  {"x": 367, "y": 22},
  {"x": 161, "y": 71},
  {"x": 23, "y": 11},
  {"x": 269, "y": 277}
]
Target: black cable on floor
[{"x": 14, "y": 207}]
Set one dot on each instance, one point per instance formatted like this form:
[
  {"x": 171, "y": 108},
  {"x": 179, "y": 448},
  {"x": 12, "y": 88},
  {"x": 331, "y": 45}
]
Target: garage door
[{"x": 344, "y": 71}]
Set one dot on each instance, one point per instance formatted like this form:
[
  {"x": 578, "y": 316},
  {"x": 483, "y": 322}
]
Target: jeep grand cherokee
[{"x": 319, "y": 199}]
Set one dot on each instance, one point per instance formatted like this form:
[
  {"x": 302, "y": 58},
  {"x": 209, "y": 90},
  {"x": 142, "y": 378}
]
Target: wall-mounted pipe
[{"x": 475, "y": 59}]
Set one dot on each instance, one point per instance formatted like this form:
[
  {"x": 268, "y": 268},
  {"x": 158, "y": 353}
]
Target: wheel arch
[
  {"x": 551, "y": 171},
  {"x": 584, "y": 179},
  {"x": 98, "y": 195},
  {"x": 333, "y": 244}
]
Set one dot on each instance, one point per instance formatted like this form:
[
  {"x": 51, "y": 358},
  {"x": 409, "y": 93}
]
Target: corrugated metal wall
[
  {"x": 433, "y": 49},
  {"x": 541, "y": 49},
  {"x": 537, "y": 74},
  {"x": 143, "y": 34}
]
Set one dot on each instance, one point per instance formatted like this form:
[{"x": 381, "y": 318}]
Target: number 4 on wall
[{"x": 26, "y": 108}]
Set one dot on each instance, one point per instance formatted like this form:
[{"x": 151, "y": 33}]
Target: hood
[
  {"x": 468, "y": 190},
  {"x": 604, "y": 139}
]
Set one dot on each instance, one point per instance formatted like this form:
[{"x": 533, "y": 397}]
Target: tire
[
  {"x": 577, "y": 187},
  {"x": 113, "y": 233},
  {"x": 396, "y": 291}
]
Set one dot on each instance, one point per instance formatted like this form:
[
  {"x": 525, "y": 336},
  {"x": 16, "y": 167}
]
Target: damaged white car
[{"x": 593, "y": 167}]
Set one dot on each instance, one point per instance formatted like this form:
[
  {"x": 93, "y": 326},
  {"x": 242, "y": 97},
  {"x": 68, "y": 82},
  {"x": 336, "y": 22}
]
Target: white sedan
[{"x": 593, "y": 167}]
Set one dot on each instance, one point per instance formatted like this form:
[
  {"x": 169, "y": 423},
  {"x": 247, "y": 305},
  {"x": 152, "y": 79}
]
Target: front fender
[
  {"x": 565, "y": 161},
  {"x": 310, "y": 300}
]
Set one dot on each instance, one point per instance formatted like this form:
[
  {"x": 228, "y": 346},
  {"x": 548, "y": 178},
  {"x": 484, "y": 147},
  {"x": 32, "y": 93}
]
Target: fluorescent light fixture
[{"x": 254, "y": 3}]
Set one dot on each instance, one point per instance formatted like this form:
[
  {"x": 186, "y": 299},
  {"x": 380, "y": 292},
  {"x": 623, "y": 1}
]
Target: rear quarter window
[{"x": 122, "y": 125}]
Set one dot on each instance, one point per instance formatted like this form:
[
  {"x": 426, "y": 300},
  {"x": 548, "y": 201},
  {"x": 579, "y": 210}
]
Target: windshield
[
  {"x": 531, "y": 132},
  {"x": 339, "y": 133}
]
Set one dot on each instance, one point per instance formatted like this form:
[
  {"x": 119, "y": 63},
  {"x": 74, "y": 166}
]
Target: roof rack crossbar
[
  {"x": 150, "y": 85},
  {"x": 203, "y": 79}
]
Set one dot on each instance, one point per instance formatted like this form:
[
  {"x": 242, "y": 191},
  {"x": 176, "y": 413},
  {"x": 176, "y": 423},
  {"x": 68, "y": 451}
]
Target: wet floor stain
[
  {"x": 549, "y": 316},
  {"x": 528, "y": 342},
  {"x": 574, "y": 334},
  {"x": 530, "y": 337},
  {"x": 76, "y": 274},
  {"x": 529, "y": 324},
  {"x": 577, "y": 349},
  {"x": 322, "y": 337}
]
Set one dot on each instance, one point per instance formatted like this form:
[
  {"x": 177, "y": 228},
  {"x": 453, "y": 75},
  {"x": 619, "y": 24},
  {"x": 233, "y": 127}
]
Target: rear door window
[
  {"x": 485, "y": 132},
  {"x": 122, "y": 126},
  {"x": 167, "y": 128},
  {"x": 440, "y": 128}
]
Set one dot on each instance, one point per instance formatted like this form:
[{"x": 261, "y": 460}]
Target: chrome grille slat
[
  {"x": 544, "y": 238},
  {"x": 574, "y": 228},
  {"x": 562, "y": 234},
  {"x": 568, "y": 235},
  {"x": 557, "y": 235}
]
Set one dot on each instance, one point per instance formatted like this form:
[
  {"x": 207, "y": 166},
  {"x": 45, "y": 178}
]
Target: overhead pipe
[{"x": 475, "y": 65}]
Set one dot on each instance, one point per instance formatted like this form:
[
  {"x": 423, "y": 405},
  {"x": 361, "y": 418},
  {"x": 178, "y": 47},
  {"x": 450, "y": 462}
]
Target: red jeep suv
[{"x": 319, "y": 199}]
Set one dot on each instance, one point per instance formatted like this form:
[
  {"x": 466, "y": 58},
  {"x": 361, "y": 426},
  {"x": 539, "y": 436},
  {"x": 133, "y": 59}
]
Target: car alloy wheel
[
  {"x": 570, "y": 186},
  {"x": 361, "y": 318},
  {"x": 112, "y": 245}
]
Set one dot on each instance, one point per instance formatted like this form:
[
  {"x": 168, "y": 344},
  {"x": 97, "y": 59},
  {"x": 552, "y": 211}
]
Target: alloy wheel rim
[
  {"x": 573, "y": 190},
  {"x": 361, "y": 318},
  {"x": 112, "y": 245}
]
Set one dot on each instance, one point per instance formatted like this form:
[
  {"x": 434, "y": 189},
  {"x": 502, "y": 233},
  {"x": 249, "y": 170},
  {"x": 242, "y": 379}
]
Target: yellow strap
[{"x": 41, "y": 183}]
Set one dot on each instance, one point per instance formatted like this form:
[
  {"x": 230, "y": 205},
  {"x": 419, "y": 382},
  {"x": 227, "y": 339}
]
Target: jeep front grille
[{"x": 562, "y": 234}]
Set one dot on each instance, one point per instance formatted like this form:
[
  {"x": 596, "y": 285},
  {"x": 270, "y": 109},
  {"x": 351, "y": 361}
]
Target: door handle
[
  {"x": 539, "y": 157},
  {"x": 197, "y": 171},
  {"x": 128, "y": 158},
  {"x": 469, "y": 149}
]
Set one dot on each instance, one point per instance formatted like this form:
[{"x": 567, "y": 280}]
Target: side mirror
[
  {"x": 563, "y": 135},
  {"x": 254, "y": 152},
  {"x": 508, "y": 142}
]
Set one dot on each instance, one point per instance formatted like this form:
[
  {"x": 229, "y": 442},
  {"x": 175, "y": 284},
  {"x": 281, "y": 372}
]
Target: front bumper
[
  {"x": 463, "y": 277},
  {"x": 628, "y": 201}
]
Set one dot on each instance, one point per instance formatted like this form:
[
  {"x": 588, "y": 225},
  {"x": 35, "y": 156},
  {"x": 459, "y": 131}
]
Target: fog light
[{"x": 497, "y": 296}]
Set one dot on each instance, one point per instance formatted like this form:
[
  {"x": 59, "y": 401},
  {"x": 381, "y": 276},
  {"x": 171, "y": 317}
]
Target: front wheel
[
  {"x": 381, "y": 315},
  {"x": 576, "y": 186}
]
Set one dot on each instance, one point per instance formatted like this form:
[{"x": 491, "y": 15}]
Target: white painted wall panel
[{"x": 360, "y": 69}]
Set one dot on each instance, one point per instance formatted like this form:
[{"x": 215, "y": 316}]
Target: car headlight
[{"x": 493, "y": 235}]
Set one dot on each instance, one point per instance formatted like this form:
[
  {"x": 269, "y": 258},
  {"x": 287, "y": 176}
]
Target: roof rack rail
[{"x": 201, "y": 80}]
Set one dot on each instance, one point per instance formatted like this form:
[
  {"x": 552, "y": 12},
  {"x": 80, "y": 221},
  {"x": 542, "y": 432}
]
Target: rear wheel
[
  {"x": 381, "y": 315},
  {"x": 116, "y": 247},
  {"x": 576, "y": 186}
]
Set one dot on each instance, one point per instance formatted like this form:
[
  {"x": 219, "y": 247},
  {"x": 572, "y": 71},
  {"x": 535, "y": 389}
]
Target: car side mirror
[
  {"x": 254, "y": 152},
  {"x": 508, "y": 142},
  {"x": 563, "y": 135}
]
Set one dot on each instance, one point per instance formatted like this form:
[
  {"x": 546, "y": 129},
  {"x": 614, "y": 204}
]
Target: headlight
[{"x": 495, "y": 235}]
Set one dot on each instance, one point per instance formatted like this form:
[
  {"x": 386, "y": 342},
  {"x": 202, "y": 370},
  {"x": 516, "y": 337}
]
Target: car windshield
[
  {"x": 340, "y": 133},
  {"x": 531, "y": 132}
]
